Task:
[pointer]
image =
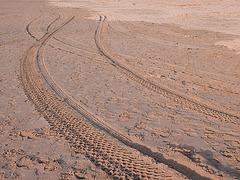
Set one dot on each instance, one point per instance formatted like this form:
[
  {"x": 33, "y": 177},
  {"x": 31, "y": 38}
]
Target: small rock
[
  {"x": 36, "y": 172},
  {"x": 226, "y": 154},
  {"x": 237, "y": 157},
  {"x": 13, "y": 135},
  {"x": 165, "y": 133},
  {"x": 11, "y": 175},
  {"x": 124, "y": 119},
  {"x": 186, "y": 150},
  {"x": 8, "y": 153},
  {"x": 202, "y": 164},
  {"x": 2, "y": 171},
  {"x": 64, "y": 176},
  {"x": 60, "y": 161},
  {"x": 211, "y": 171},
  {"x": 184, "y": 83},
  {"x": 28, "y": 134},
  {"x": 79, "y": 175},
  {"x": 51, "y": 166},
  {"x": 40, "y": 160},
  {"x": 232, "y": 148},
  {"x": 24, "y": 161}
]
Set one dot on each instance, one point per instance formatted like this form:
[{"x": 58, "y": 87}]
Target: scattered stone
[
  {"x": 30, "y": 134},
  {"x": 165, "y": 133},
  {"x": 124, "y": 117},
  {"x": 21, "y": 152},
  {"x": 237, "y": 157},
  {"x": 24, "y": 161},
  {"x": 192, "y": 134},
  {"x": 36, "y": 172},
  {"x": 8, "y": 165},
  {"x": 51, "y": 166},
  {"x": 8, "y": 153},
  {"x": 79, "y": 175},
  {"x": 41, "y": 160},
  {"x": 13, "y": 135},
  {"x": 11, "y": 175},
  {"x": 60, "y": 161},
  {"x": 187, "y": 150},
  {"x": 184, "y": 83},
  {"x": 65, "y": 175},
  {"x": 226, "y": 154}
]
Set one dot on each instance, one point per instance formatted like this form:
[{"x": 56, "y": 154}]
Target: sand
[{"x": 120, "y": 89}]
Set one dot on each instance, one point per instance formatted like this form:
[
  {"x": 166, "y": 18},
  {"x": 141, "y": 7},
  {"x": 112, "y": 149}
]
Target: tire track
[
  {"x": 165, "y": 64},
  {"x": 49, "y": 26},
  {"x": 27, "y": 28},
  {"x": 117, "y": 160},
  {"x": 67, "y": 44},
  {"x": 180, "y": 98},
  {"x": 11, "y": 42},
  {"x": 73, "y": 104}
]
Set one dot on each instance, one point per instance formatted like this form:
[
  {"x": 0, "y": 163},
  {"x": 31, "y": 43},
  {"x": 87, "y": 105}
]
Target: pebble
[{"x": 24, "y": 161}]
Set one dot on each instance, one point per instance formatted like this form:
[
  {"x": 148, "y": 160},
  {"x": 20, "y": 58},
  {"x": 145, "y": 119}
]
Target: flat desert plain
[{"x": 120, "y": 89}]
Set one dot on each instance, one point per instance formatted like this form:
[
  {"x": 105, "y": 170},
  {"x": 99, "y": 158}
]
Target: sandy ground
[{"x": 166, "y": 80}]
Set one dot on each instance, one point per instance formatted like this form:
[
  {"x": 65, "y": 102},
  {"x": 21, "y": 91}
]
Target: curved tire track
[
  {"x": 115, "y": 159},
  {"x": 180, "y": 98},
  {"x": 66, "y": 98},
  {"x": 109, "y": 156}
]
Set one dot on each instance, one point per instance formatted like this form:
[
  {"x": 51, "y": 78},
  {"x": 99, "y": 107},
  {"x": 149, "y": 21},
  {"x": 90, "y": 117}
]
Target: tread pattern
[
  {"x": 172, "y": 94},
  {"x": 112, "y": 157}
]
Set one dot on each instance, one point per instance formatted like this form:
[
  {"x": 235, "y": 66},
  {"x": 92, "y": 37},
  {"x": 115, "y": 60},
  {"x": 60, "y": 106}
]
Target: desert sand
[{"x": 120, "y": 89}]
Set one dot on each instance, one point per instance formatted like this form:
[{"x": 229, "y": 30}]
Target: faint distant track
[
  {"x": 52, "y": 23},
  {"x": 117, "y": 160},
  {"x": 73, "y": 46},
  {"x": 63, "y": 42},
  {"x": 27, "y": 28},
  {"x": 29, "y": 24},
  {"x": 34, "y": 37},
  {"x": 227, "y": 78},
  {"x": 11, "y": 42},
  {"x": 181, "y": 98}
]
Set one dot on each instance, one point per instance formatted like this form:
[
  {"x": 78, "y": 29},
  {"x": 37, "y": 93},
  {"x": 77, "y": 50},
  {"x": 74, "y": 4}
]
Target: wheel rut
[
  {"x": 56, "y": 106},
  {"x": 115, "y": 159},
  {"x": 184, "y": 100}
]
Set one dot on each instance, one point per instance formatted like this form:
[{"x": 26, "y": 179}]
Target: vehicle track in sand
[
  {"x": 142, "y": 36},
  {"x": 144, "y": 32},
  {"x": 60, "y": 41},
  {"x": 175, "y": 163},
  {"x": 184, "y": 100},
  {"x": 65, "y": 97},
  {"x": 117, "y": 160},
  {"x": 110, "y": 156},
  {"x": 73, "y": 46}
]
